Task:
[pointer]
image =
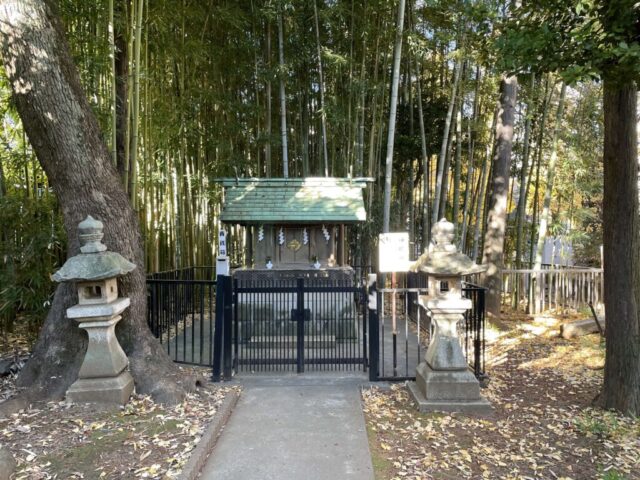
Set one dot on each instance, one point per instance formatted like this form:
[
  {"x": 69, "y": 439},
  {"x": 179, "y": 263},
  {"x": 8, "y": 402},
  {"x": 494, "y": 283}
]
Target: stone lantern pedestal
[
  {"x": 443, "y": 380},
  {"x": 102, "y": 377}
]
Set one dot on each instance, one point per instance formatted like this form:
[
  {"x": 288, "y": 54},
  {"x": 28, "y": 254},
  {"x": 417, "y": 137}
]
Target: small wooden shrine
[
  {"x": 294, "y": 223},
  {"x": 296, "y": 228}
]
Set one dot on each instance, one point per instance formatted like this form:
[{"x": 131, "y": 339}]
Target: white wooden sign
[
  {"x": 222, "y": 243},
  {"x": 222, "y": 262},
  {"x": 393, "y": 252}
]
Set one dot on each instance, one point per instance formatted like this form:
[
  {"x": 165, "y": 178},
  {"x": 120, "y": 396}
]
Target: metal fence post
[
  {"x": 365, "y": 337},
  {"x": 480, "y": 351},
  {"x": 218, "y": 330},
  {"x": 227, "y": 329},
  {"x": 300, "y": 324},
  {"x": 374, "y": 329}
]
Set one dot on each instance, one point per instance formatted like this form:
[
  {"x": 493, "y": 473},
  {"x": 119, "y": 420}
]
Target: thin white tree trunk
[
  {"x": 133, "y": 193},
  {"x": 551, "y": 168},
  {"x": 457, "y": 168},
  {"x": 392, "y": 116},
  {"x": 481, "y": 192},
  {"x": 445, "y": 143},
  {"x": 546, "y": 206},
  {"x": 426, "y": 234},
  {"x": 524, "y": 181},
  {"x": 283, "y": 102},
  {"x": 323, "y": 113},
  {"x": 267, "y": 127},
  {"x": 470, "y": 169},
  {"x": 114, "y": 93}
]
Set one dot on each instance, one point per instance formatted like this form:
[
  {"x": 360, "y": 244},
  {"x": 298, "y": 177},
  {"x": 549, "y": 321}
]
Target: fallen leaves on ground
[
  {"x": 141, "y": 440},
  {"x": 543, "y": 425}
]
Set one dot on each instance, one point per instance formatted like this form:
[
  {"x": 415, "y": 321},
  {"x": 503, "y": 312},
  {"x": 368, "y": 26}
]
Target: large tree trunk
[
  {"x": 70, "y": 147},
  {"x": 497, "y": 221},
  {"x": 621, "y": 250}
]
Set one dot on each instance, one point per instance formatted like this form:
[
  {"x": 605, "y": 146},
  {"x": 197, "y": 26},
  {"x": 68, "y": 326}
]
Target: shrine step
[{"x": 291, "y": 341}]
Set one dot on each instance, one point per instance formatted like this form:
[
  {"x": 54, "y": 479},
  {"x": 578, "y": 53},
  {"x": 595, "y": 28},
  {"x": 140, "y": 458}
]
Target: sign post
[
  {"x": 393, "y": 256},
  {"x": 221, "y": 348},
  {"x": 222, "y": 261}
]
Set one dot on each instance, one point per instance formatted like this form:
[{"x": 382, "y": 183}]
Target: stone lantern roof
[
  {"x": 442, "y": 256},
  {"x": 94, "y": 261}
]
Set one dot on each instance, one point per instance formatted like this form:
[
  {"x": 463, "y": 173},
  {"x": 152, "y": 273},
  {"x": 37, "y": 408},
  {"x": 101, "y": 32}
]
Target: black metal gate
[{"x": 299, "y": 325}]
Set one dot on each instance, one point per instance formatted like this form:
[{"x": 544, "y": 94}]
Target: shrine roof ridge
[{"x": 294, "y": 181}]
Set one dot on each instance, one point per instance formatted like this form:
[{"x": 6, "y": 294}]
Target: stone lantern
[
  {"x": 444, "y": 380},
  {"x": 103, "y": 377}
]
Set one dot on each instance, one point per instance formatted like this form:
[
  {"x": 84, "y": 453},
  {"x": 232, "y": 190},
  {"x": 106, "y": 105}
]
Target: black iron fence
[
  {"x": 474, "y": 330},
  {"x": 303, "y": 324},
  {"x": 181, "y": 313},
  {"x": 400, "y": 329}
]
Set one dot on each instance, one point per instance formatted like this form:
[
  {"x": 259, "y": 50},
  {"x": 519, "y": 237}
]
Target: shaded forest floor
[
  {"x": 544, "y": 425},
  {"x": 141, "y": 440}
]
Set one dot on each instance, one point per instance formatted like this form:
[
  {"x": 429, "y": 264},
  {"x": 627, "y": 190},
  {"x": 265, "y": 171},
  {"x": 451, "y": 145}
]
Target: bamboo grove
[{"x": 188, "y": 91}]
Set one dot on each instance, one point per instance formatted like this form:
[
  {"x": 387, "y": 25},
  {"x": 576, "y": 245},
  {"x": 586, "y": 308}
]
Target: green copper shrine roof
[{"x": 293, "y": 200}]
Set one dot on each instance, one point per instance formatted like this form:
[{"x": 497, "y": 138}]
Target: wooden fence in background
[{"x": 571, "y": 288}]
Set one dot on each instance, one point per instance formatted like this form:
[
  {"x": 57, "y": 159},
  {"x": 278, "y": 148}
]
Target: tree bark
[
  {"x": 70, "y": 147},
  {"x": 493, "y": 252},
  {"x": 621, "y": 249}
]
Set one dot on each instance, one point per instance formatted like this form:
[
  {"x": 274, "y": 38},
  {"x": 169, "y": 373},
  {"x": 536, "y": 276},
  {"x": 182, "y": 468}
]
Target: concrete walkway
[{"x": 307, "y": 427}]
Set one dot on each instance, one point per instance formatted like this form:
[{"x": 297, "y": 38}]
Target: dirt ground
[
  {"x": 544, "y": 424},
  {"x": 141, "y": 440}
]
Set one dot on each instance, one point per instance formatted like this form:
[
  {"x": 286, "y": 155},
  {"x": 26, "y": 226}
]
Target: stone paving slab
[{"x": 299, "y": 427}]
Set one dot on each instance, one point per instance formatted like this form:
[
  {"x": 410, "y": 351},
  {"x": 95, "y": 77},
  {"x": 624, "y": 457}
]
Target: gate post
[
  {"x": 218, "y": 330},
  {"x": 374, "y": 328},
  {"x": 228, "y": 327},
  {"x": 223, "y": 292},
  {"x": 300, "y": 324}
]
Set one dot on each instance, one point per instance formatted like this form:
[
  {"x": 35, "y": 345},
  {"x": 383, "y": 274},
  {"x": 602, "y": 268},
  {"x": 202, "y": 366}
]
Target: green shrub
[{"x": 32, "y": 246}]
